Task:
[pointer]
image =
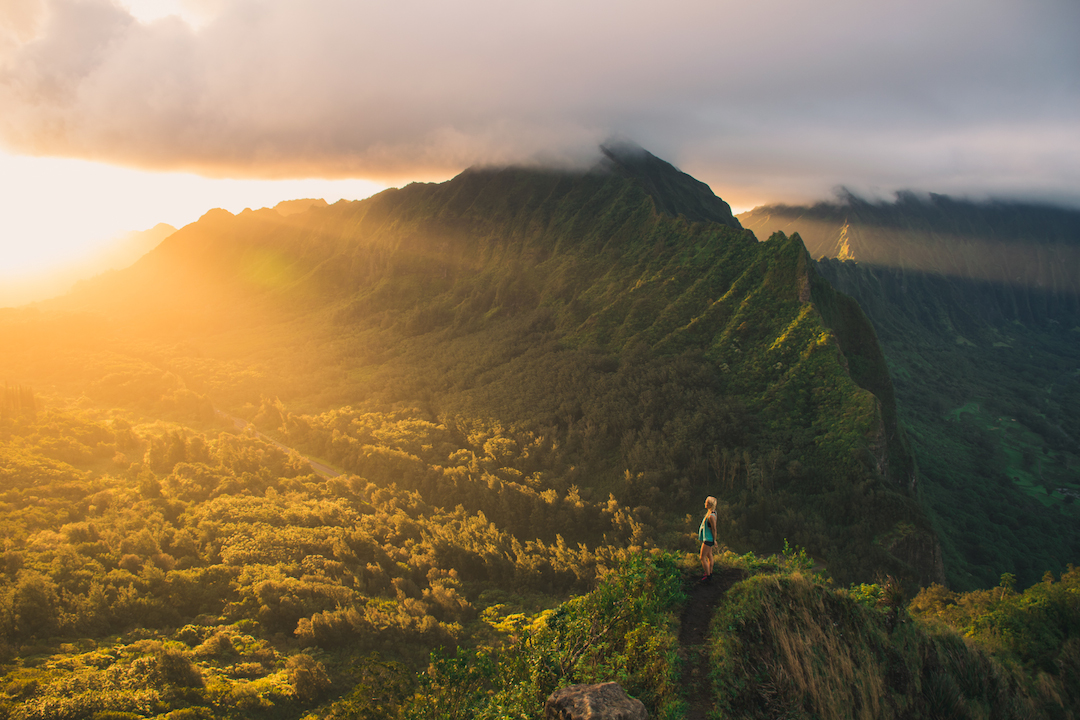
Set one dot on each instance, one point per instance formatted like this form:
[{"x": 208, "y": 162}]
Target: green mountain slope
[
  {"x": 528, "y": 381},
  {"x": 978, "y": 310},
  {"x": 657, "y": 359}
]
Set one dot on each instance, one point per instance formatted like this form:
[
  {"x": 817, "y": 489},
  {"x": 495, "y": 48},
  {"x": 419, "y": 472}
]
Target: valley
[
  {"x": 976, "y": 307},
  {"x": 441, "y": 451}
]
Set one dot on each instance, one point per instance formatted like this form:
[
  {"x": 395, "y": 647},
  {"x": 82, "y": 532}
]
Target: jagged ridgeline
[
  {"x": 1007, "y": 261},
  {"x": 619, "y": 320},
  {"x": 977, "y": 306}
]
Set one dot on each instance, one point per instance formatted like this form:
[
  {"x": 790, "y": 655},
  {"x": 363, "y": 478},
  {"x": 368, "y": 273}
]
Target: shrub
[
  {"x": 176, "y": 667},
  {"x": 308, "y": 677}
]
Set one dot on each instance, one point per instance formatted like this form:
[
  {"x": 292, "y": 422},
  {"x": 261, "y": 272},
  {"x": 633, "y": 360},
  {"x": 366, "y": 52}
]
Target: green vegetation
[
  {"x": 977, "y": 307},
  {"x": 215, "y": 575},
  {"x": 528, "y": 381},
  {"x": 164, "y": 572},
  {"x": 149, "y": 568},
  {"x": 622, "y": 631},
  {"x": 787, "y": 644},
  {"x": 995, "y": 432},
  {"x": 594, "y": 341},
  {"x": 232, "y": 582}
]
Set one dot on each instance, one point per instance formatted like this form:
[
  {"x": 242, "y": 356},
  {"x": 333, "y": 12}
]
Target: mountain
[
  {"x": 672, "y": 191},
  {"x": 442, "y": 451},
  {"x": 117, "y": 253},
  {"x": 662, "y": 359},
  {"x": 1016, "y": 261},
  {"x": 977, "y": 306},
  {"x": 290, "y": 207}
]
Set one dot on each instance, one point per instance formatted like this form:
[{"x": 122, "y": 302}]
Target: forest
[
  {"x": 976, "y": 307},
  {"x": 152, "y": 571},
  {"x": 442, "y": 451}
]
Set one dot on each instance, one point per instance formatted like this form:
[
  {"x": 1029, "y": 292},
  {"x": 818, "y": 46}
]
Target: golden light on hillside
[{"x": 60, "y": 215}]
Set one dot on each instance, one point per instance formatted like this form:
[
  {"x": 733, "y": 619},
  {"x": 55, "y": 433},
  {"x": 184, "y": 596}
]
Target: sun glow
[
  {"x": 194, "y": 12},
  {"x": 57, "y": 212}
]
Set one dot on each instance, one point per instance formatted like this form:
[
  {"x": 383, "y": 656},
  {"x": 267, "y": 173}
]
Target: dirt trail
[
  {"x": 703, "y": 597},
  {"x": 242, "y": 425}
]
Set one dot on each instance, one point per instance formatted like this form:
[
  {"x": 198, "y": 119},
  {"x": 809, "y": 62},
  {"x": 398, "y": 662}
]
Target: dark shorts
[{"x": 708, "y": 543}]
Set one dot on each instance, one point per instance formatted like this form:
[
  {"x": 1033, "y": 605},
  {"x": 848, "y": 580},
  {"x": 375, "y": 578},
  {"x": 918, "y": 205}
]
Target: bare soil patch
[{"x": 703, "y": 598}]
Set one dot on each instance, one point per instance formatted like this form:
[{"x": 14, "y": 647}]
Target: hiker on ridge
[{"x": 707, "y": 536}]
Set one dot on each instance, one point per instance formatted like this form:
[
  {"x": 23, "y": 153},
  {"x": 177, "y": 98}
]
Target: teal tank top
[{"x": 704, "y": 531}]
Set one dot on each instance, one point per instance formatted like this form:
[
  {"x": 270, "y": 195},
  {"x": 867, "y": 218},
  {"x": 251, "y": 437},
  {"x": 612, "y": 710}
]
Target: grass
[
  {"x": 785, "y": 643},
  {"x": 1033, "y": 467}
]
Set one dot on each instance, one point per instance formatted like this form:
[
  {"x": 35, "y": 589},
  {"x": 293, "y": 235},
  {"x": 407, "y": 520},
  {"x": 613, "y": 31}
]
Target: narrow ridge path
[
  {"x": 701, "y": 602},
  {"x": 242, "y": 425}
]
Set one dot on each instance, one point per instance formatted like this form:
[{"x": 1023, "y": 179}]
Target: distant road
[{"x": 244, "y": 425}]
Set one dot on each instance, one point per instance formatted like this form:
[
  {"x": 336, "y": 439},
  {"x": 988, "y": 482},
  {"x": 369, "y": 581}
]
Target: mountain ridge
[
  {"x": 583, "y": 285},
  {"x": 1030, "y": 252},
  {"x": 529, "y": 380},
  {"x": 673, "y": 191},
  {"x": 977, "y": 306}
]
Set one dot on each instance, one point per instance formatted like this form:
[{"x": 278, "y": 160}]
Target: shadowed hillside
[
  {"x": 978, "y": 310},
  {"x": 1006, "y": 261}
]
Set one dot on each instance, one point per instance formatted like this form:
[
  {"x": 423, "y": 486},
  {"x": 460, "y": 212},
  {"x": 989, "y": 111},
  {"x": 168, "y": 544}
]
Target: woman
[{"x": 707, "y": 536}]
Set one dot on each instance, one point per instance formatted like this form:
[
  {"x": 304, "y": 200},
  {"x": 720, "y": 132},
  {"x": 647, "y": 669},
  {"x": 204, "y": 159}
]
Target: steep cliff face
[
  {"x": 889, "y": 446},
  {"x": 976, "y": 307},
  {"x": 866, "y": 363}
]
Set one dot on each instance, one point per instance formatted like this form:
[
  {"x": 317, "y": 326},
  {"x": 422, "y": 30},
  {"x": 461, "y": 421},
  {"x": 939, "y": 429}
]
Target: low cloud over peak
[{"x": 781, "y": 98}]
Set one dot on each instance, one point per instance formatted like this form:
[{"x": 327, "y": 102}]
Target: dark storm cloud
[{"x": 776, "y": 99}]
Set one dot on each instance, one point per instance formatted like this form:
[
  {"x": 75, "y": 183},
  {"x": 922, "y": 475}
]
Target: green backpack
[{"x": 704, "y": 532}]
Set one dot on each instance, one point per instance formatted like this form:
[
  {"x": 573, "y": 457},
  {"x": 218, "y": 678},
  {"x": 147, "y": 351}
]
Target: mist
[{"x": 775, "y": 100}]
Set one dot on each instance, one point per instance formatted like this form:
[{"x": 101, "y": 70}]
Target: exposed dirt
[
  {"x": 703, "y": 597},
  {"x": 242, "y": 425}
]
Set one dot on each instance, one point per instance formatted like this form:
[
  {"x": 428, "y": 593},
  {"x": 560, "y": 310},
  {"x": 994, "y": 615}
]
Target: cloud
[{"x": 778, "y": 97}]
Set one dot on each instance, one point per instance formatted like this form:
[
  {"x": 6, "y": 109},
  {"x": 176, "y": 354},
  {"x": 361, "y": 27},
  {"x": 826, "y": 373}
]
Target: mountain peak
[
  {"x": 292, "y": 207},
  {"x": 674, "y": 192},
  {"x": 214, "y": 214}
]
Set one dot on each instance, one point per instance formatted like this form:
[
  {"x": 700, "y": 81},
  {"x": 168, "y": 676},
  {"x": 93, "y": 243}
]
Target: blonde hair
[{"x": 710, "y": 502}]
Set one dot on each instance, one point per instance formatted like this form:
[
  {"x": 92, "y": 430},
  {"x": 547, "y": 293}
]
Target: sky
[{"x": 119, "y": 114}]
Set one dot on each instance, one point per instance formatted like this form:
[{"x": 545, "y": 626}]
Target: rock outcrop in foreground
[{"x": 606, "y": 701}]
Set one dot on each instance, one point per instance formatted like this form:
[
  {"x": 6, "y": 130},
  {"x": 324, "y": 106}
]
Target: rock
[{"x": 606, "y": 701}]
